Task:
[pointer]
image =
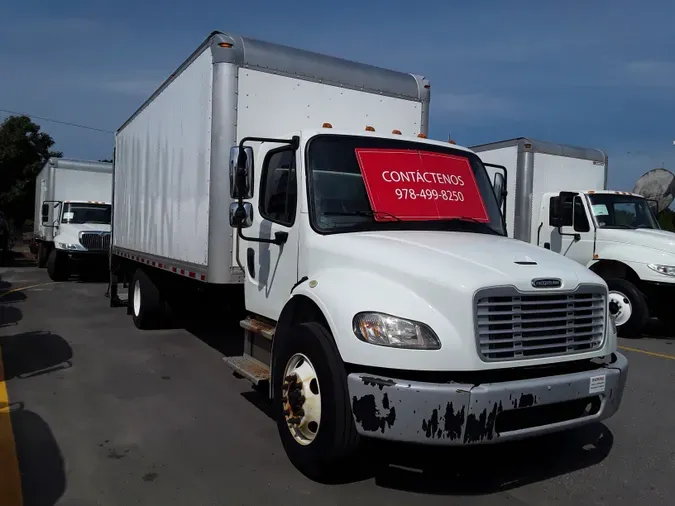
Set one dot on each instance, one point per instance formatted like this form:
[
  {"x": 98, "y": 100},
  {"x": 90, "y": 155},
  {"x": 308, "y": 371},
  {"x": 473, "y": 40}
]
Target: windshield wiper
[{"x": 369, "y": 214}]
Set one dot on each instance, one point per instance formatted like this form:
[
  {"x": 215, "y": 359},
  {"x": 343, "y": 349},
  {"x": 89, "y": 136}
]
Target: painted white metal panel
[
  {"x": 554, "y": 173},
  {"x": 272, "y": 105},
  {"x": 508, "y": 157},
  {"x": 41, "y": 194},
  {"x": 162, "y": 167},
  {"x": 71, "y": 184}
]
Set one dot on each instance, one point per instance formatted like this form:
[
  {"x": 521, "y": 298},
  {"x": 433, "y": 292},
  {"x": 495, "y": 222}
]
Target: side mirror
[
  {"x": 498, "y": 186},
  {"x": 241, "y": 172},
  {"x": 45, "y": 213},
  {"x": 556, "y": 213},
  {"x": 241, "y": 215}
]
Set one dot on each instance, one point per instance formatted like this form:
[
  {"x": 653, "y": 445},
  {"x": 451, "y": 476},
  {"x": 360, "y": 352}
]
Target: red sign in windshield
[{"x": 420, "y": 185}]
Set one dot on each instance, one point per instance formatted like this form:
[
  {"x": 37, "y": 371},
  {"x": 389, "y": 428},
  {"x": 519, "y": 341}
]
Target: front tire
[
  {"x": 145, "y": 301},
  {"x": 57, "y": 266},
  {"x": 311, "y": 403},
  {"x": 630, "y": 307}
]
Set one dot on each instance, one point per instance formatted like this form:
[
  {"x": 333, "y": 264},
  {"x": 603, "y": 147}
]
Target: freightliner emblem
[{"x": 546, "y": 283}]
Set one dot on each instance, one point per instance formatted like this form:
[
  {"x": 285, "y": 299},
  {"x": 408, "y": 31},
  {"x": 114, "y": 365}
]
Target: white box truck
[
  {"x": 384, "y": 298},
  {"x": 73, "y": 200},
  {"x": 558, "y": 199}
]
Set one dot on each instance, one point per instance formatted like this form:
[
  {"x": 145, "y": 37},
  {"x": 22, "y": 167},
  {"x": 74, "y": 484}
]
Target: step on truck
[
  {"x": 384, "y": 299},
  {"x": 558, "y": 200},
  {"x": 73, "y": 211}
]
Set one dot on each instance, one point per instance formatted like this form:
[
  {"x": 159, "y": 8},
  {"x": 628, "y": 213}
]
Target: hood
[
  {"x": 75, "y": 228},
  {"x": 661, "y": 240},
  {"x": 463, "y": 260}
]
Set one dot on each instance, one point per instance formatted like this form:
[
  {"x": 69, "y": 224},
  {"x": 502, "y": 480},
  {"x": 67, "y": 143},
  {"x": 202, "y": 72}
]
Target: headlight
[
  {"x": 386, "y": 330},
  {"x": 64, "y": 245},
  {"x": 668, "y": 270}
]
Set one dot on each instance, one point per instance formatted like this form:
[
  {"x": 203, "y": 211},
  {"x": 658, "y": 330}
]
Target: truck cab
[
  {"x": 81, "y": 235},
  {"x": 386, "y": 300},
  {"x": 617, "y": 235}
]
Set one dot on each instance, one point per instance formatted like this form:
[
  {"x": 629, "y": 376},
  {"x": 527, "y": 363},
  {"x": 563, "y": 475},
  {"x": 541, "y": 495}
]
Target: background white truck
[
  {"x": 372, "y": 313},
  {"x": 73, "y": 200},
  {"x": 558, "y": 199}
]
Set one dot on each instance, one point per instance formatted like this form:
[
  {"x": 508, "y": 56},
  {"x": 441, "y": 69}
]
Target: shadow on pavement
[
  {"x": 34, "y": 353},
  {"x": 492, "y": 469},
  {"x": 9, "y": 298},
  {"x": 41, "y": 464}
]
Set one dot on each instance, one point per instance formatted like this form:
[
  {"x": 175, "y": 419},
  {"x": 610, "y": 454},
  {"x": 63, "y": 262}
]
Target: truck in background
[
  {"x": 73, "y": 209},
  {"x": 558, "y": 199},
  {"x": 364, "y": 255}
]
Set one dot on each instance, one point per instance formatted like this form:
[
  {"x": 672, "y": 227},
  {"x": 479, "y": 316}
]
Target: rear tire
[
  {"x": 42, "y": 255},
  {"x": 632, "y": 307},
  {"x": 329, "y": 454},
  {"x": 145, "y": 301},
  {"x": 57, "y": 266}
]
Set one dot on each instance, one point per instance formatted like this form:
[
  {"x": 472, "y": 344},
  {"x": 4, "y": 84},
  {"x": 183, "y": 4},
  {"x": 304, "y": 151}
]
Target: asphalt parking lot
[{"x": 93, "y": 411}]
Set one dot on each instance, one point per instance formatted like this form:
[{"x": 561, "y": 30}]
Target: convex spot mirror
[
  {"x": 241, "y": 216},
  {"x": 241, "y": 172}
]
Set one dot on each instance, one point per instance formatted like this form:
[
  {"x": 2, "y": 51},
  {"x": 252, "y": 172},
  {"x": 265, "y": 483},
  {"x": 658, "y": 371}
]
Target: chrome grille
[
  {"x": 513, "y": 325},
  {"x": 95, "y": 240}
]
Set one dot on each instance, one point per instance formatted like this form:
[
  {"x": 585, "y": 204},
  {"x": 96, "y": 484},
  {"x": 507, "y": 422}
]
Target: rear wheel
[
  {"x": 145, "y": 301},
  {"x": 57, "y": 265},
  {"x": 311, "y": 403},
  {"x": 42, "y": 255},
  {"x": 628, "y": 307}
]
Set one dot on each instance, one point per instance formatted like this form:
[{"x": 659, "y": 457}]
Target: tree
[
  {"x": 106, "y": 161},
  {"x": 23, "y": 151}
]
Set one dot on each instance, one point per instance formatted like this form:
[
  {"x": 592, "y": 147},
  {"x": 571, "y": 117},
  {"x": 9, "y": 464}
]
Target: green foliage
[
  {"x": 106, "y": 161},
  {"x": 23, "y": 151}
]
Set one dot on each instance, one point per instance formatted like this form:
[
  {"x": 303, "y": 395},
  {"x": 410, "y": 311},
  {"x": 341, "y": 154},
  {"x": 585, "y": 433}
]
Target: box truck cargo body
[
  {"x": 558, "y": 199},
  {"x": 376, "y": 305},
  {"x": 73, "y": 200},
  {"x": 171, "y": 156}
]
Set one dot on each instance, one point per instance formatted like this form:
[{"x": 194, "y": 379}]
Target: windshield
[
  {"x": 86, "y": 213},
  {"x": 340, "y": 202},
  {"x": 622, "y": 211}
]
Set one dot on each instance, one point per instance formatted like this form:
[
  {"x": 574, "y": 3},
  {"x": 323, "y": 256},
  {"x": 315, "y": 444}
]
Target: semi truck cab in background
[
  {"x": 73, "y": 212},
  {"x": 558, "y": 200},
  {"x": 383, "y": 297}
]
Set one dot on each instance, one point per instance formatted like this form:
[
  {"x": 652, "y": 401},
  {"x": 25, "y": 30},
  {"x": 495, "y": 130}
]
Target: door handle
[
  {"x": 547, "y": 245},
  {"x": 250, "y": 261}
]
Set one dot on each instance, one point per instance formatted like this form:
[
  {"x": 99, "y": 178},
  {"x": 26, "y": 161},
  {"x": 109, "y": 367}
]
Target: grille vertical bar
[{"x": 512, "y": 326}]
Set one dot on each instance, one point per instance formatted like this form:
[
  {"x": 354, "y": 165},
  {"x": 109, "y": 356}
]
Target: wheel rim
[
  {"x": 620, "y": 307},
  {"x": 137, "y": 298},
  {"x": 301, "y": 399}
]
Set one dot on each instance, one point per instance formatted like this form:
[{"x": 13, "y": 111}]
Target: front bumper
[{"x": 461, "y": 414}]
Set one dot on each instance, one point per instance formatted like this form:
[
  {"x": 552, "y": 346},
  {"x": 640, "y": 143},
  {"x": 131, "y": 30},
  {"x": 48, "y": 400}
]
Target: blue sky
[{"x": 594, "y": 74}]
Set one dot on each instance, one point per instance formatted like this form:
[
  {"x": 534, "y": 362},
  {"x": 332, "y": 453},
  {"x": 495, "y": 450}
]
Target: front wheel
[
  {"x": 628, "y": 306},
  {"x": 311, "y": 403},
  {"x": 57, "y": 265}
]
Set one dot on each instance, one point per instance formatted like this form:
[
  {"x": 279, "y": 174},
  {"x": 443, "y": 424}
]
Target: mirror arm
[{"x": 279, "y": 237}]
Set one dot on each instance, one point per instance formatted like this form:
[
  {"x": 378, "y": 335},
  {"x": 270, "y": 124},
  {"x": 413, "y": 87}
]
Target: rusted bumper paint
[{"x": 460, "y": 414}]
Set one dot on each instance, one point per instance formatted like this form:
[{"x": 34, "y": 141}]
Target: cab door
[
  {"x": 271, "y": 270},
  {"x": 575, "y": 239}
]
